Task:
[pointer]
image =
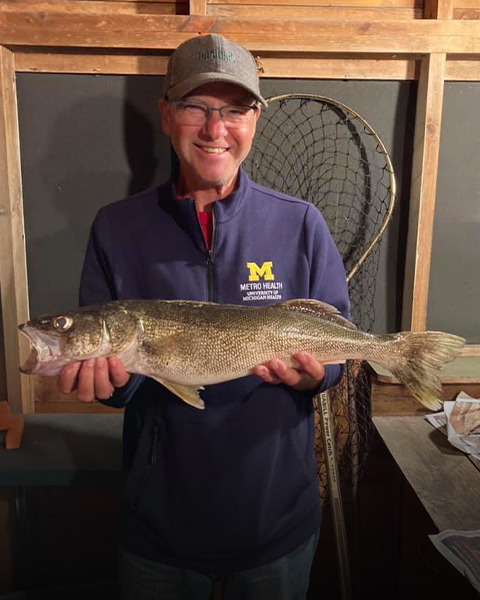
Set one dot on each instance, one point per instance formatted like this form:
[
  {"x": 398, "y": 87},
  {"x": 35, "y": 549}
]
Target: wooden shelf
[{"x": 389, "y": 397}]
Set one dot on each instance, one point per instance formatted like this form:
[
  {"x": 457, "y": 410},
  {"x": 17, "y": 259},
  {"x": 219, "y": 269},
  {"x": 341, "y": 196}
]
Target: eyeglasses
[{"x": 197, "y": 113}]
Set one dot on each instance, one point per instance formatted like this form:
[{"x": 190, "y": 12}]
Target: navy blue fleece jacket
[{"x": 233, "y": 486}]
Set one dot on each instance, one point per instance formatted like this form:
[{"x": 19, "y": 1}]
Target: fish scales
[
  {"x": 186, "y": 345},
  {"x": 259, "y": 334}
]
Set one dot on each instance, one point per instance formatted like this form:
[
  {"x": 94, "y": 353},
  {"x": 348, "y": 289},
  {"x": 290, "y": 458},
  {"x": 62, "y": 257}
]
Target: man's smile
[{"x": 213, "y": 149}]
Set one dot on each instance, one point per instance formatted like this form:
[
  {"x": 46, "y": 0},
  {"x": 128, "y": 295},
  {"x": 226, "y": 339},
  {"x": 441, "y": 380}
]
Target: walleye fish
[{"x": 186, "y": 345}]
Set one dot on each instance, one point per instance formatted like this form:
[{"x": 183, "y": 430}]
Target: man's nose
[{"x": 215, "y": 125}]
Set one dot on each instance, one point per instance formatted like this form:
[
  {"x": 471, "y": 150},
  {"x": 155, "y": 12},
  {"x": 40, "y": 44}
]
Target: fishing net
[{"x": 322, "y": 151}]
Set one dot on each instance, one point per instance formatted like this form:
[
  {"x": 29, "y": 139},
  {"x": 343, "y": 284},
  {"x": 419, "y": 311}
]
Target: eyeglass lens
[{"x": 197, "y": 114}]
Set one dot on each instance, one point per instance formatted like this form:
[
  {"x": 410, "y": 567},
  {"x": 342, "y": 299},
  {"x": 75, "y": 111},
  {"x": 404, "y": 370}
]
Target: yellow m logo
[{"x": 265, "y": 271}]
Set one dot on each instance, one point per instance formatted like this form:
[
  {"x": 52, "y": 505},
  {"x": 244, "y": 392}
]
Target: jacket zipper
[
  {"x": 210, "y": 259},
  {"x": 209, "y": 254}
]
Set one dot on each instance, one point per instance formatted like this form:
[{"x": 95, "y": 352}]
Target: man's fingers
[
  {"x": 264, "y": 373},
  {"x": 102, "y": 386},
  {"x": 118, "y": 374},
  {"x": 284, "y": 374},
  {"x": 86, "y": 387},
  {"x": 276, "y": 371},
  {"x": 305, "y": 376},
  {"x": 68, "y": 378},
  {"x": 310, "y": 365},
  {"x": 93, "y": 378}
]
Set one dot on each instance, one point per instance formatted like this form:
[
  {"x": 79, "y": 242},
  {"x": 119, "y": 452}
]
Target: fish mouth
[
  {"x": 30, "y": 364},
  {"x": 45, "y": 357}
]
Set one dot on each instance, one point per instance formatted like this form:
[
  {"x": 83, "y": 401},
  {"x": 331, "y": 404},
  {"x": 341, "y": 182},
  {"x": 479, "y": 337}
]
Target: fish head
[{"x": 60, "y": 339}]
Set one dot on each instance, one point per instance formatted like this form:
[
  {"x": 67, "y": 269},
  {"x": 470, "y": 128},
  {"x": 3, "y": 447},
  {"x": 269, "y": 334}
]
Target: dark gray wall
[
  {"x": 85, "y": 141},
  {"x": 454, "y": 298},
  {"x": 90, "y": 140}
]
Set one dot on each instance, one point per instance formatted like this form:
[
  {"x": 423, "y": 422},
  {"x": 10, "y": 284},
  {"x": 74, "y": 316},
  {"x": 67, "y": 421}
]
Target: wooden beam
[
  {"x": 198, "y": 7},
  {"x": 466, "y": 13},
  {"x": 471, "y": 350},
  {"x": 379, "y": 4},
  {"x": 301, "y": 35},
  {"x": 97, "y": 6},
  {"x": 314, "y": 66},
  {"x": 13, "y": 269},
  {"x": 294, "y": 11},
  {"x": 438, "y": 9},
  {"x": 307, "y": 67},
  {"x": 467, "y": 3},
  {"x": 462, "y": 70},
  {"x": 422, "y": 198},
  {"x": 424, "y": 177},
  {"x": 96, "y": 63}
]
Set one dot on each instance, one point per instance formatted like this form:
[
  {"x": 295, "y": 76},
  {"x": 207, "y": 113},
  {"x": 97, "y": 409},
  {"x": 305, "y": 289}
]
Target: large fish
[{"x": 186, "y": 345}]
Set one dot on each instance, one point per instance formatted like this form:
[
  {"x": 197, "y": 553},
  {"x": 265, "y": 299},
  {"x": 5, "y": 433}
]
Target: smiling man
[
  {"x": 211, "y": 129},
  {"x": 228, "y": 494}
]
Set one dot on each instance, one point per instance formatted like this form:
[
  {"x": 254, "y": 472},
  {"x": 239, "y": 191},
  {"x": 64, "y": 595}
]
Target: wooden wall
[
  {"x": 431, "y": 40},
  {"x": 289, "y": 9}
]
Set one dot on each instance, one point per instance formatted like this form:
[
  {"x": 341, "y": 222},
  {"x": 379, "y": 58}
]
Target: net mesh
[{"x": 319, "y": 150}]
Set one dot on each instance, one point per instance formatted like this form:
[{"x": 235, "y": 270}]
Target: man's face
[{"x": 210, "y": 154}]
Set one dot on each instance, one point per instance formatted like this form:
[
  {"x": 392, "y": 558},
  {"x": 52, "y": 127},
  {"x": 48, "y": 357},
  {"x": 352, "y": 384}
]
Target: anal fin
[{"x": 188, "y": 394}]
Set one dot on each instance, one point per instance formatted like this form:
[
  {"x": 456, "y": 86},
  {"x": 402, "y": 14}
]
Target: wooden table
[
  {"x": 436, "y": 488},
  {"x": 446, "y": 482}
]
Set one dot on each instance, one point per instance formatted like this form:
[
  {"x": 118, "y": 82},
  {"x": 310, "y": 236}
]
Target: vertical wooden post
[
  {"x": 423, "y": 190},
  {"x": 438, "y": 9},
  {"x": 13, "y": 266},
  {"x": 424, "y": 178},
  {"x": 198, "y": 7}
]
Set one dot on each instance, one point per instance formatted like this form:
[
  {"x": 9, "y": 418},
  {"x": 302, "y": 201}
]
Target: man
[{"x": 227, "y": 494}]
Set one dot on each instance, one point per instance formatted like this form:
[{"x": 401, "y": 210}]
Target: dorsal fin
[{"x": 318, "y": 308}]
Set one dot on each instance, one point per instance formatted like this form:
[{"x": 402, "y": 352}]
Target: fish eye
[{"x": 62, "y": 323}]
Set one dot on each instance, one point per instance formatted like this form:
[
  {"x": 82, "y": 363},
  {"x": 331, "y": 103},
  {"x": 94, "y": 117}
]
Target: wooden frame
[{"x": 431, "y": 49}]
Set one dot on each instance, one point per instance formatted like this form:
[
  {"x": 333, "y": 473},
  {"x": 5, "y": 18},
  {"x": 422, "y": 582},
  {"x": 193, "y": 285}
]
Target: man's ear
[
  {"x": 165, "y": 115},
  {"x": 257, "y": 114}
]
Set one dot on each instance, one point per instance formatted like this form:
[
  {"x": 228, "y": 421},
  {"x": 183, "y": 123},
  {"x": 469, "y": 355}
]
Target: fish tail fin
[{"x": 423, "y": 354}]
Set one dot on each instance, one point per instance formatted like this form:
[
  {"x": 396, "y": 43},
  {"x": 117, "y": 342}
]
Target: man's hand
[
  {"x": 306, "y": 376},
  {"x": 93, "y": 378}
]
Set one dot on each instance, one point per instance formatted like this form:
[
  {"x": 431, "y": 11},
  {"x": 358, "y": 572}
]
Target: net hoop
[{"x": 389, "y": 167}]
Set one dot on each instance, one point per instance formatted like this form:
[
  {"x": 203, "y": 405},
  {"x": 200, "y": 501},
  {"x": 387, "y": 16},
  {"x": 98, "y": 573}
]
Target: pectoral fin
[{"x": 188, "y": 394}]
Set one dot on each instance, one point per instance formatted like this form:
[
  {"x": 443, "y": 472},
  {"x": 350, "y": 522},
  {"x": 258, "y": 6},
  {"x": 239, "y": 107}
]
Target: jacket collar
[
  {"x": 232, "y": 205},
  {"x": 184, "y": 213}
]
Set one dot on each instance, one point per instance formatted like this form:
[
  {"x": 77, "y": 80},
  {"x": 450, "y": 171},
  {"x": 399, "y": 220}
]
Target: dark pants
[{"x": 282, "y": 579}]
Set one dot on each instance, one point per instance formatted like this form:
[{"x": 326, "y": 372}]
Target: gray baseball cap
[{"x": 208, "y": 58}]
